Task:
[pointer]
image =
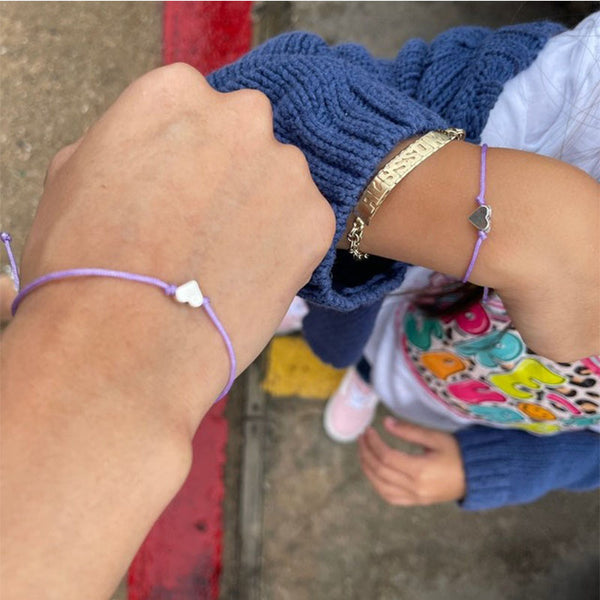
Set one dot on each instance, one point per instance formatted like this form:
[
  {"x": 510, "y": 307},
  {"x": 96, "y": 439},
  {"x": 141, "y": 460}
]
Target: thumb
[
  {"x": 7, "y": 295},
  {"x": 415, "y": 434}
]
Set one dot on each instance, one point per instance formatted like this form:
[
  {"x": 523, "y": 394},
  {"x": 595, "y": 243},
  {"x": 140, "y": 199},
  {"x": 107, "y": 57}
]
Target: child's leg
[
  {"x": 363, "y": 368},
  {"x": 352, "y": 407}
]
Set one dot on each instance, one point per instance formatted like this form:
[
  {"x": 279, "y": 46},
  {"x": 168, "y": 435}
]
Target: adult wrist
[{"x": 132, "y": 341}]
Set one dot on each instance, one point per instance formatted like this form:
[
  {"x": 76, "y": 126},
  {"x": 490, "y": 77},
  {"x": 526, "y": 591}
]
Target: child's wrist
[{"x": 425, "y": 219}]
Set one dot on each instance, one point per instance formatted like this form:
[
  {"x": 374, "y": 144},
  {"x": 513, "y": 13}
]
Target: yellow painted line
[{"x": 293, "y": 370}]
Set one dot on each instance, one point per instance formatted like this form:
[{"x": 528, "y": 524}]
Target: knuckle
[
  {"x": 425, "y": 498},
  {"x": 179, "y": 74},
  {"x": 391, "y": 500},
  {"x": 254, "y": 101},
  {"x": 388, "y": 457},
  {"x": 177, "y": 79},
  {"x": 324, "y": 228},
  {"x": 419, "y": 481},
  {"x": 385, "y": 457},
  {"x": 379, "y": 469},
  {"x": 296, "y": 158},
  {"x": 420, "y": 496},
  {"x": 317, "y": 210},
  {"x": 379, "y": 488},
  {"x": 329, "y": 223},
  {"x": 59, "y": 159},
  {"x": 296, "y": 167}
]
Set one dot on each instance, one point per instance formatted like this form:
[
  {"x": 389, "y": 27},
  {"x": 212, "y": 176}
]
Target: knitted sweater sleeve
[
  {"x": 505, "y": 467},
  {"x": 462, "y": 72},
  {"x": 346, "y": 110},
  {"x": 344, "y": 121}
]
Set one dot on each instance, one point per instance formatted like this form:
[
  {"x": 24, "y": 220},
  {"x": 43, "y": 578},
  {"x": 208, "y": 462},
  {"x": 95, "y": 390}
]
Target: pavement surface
[{"x": 318, "y": 531}]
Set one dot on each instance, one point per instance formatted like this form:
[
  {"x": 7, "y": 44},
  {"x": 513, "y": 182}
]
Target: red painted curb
[
  {"x": 206, "y": 35},
  {"x": 181, "y": 558}
]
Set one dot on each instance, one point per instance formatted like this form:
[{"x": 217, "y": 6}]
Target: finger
[
  {"x": 390, "y": 493},
  {"x": 415, "y": 434},
  {"x": 409, "y": 464},
  {"x": 378, "y": 447},
  {"x": 384, "y": 454},
  {"x": 387, "y": 474},
  {"x": 59, "y": 159},
  {"x": 7, "y": 295}
]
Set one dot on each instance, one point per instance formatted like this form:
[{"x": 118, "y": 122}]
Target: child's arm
[
  {"x": 505, "y": 467},
  {"x": 481, "y": 467},
  {"x": 541, "y": 255},
  {"x": 346, "y": 111}
]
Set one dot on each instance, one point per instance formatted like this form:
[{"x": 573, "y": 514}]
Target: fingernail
[{"x": 390, "y": 421}]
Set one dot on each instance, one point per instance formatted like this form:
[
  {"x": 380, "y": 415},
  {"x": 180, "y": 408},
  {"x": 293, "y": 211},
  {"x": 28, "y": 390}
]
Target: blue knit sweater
[{"x": 346, "y": 110}]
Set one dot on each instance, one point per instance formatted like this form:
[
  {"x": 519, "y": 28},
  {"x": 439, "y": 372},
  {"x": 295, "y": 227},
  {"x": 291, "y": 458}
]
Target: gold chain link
[{"x": 355, "y": 237}]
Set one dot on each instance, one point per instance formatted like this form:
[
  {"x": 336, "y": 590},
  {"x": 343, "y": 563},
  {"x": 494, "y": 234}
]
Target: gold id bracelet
[{"x": 388, "y": 177}]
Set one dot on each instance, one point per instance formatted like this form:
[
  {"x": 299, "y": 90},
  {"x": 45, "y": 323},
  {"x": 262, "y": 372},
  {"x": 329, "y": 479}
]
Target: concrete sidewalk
[{"x": 311, "y": 527}]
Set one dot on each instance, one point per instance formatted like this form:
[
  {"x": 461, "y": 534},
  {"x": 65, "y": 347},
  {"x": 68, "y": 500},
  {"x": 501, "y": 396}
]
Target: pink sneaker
[{"x": 351, "y": 408}]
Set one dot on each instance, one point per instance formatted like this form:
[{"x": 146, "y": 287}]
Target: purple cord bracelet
[
  {"x": 187, "y": 293},
  {"x": 480, "y": 218}
]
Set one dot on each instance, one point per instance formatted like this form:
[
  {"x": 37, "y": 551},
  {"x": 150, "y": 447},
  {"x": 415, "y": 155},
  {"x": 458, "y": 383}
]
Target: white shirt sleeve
[{"x": 553, "y": 107}]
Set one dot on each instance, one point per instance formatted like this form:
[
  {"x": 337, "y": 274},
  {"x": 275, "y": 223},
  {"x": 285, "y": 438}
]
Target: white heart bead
[{"x": 189, "y": 292}]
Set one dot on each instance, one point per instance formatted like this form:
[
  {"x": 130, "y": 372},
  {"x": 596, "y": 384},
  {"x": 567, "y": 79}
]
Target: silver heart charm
[
  {"x": 481, "y": 216},
  {"x": 189, "y": 292}
]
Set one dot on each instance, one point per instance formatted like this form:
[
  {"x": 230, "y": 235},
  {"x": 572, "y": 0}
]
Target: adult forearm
[
  {"x": 103, "y": 385},
  {"x": 104, "y": 381}
]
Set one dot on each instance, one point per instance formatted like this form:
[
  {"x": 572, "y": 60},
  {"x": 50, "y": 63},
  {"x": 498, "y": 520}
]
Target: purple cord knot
[
  {"x": 5, "y": 237},
  {"x": 170, "y": 290},
  {"x": 482, "y": 235}
]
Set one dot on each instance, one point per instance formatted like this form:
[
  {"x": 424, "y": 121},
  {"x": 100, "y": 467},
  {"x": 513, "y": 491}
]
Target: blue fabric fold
[{"x": 346, "y": 110}]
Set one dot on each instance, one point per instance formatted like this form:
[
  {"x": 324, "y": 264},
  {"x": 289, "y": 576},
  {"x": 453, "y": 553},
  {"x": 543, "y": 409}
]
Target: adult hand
[
  {"x": 181, "y": 182},
  {"x": 104, "y": 382},
  {"x": 402, "y": 479}
]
